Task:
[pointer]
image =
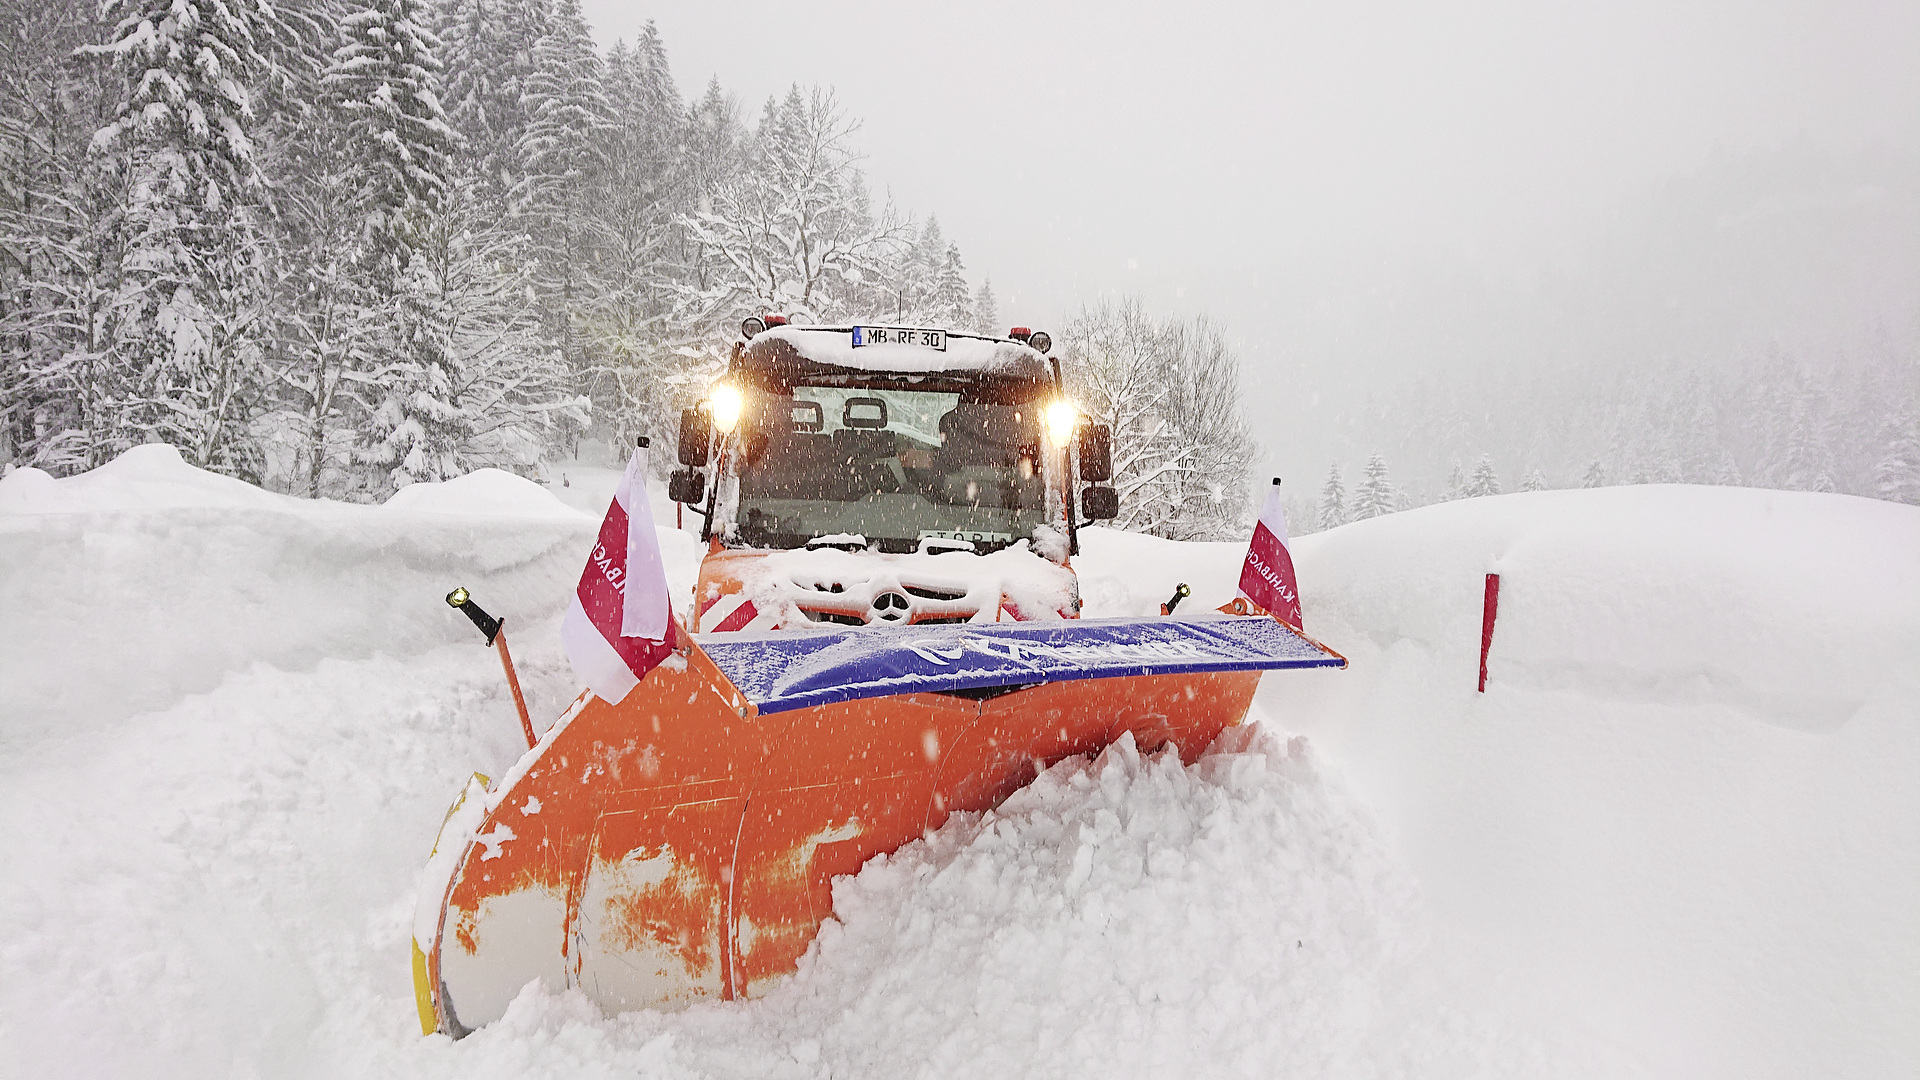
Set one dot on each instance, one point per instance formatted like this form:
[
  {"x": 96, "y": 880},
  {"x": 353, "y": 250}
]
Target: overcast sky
[{"x": 1304, "y": 172}]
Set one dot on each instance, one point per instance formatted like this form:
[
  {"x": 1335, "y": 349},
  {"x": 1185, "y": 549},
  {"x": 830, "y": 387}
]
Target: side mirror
[
  {"x": 686, "y": 486},
  {"x": 1096, "y": 454},
  {"x": 1100, "y": 503},
  {"x": 696, "y": 435}
]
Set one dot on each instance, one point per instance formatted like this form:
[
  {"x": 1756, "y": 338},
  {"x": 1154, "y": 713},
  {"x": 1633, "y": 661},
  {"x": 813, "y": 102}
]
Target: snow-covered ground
[{"x": 1678, "y": 836}]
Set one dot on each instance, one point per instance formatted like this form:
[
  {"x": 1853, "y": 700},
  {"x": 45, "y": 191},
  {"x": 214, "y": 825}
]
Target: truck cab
[{"x": 863, "y": 475}]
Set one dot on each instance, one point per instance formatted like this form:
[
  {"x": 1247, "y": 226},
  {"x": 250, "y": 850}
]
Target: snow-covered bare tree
[
  {"x": 1170, "y": 393},
  {"x": 794, "y": 229},
  {"x": 322, "y": 322},
  {"x": 60, "y": 263}
]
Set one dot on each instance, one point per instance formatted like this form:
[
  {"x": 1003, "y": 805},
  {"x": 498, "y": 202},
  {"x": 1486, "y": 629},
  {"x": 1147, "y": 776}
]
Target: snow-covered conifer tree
[
  {"x": 477, "y": 386},
  {"x": 384, "y": 78},
  {"x": 714, "y": 143},
  {"x": 1809, "y": 463},
  {"x": 950, "y": 304},
  {"x": 1897, "y": 474},
  {"x": 986, "y": 311},
  {"x": 489, "y": 53},
  {"x": 639, "y": 380},
  {"x": 1533, "y": 481},
  {"x": 1483, "y": 481},
  {"x": 1727, "y": 471},
  {"x": 912, "y": 276},
  {"x": 563, "y": 155},
  {"x": 1375, "y": 495},
  {"x": 1596, "y": 475},
  {"x": 1333, "y": 499},
  {"x": 193, "y": 326},
  {"x": 1456, "y": 483}
]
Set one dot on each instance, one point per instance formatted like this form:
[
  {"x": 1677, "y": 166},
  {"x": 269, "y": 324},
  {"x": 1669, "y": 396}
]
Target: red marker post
[{"x": 1489, "y": 611}]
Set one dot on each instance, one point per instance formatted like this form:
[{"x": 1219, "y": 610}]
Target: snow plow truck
[{"x": 885, "y": 631}]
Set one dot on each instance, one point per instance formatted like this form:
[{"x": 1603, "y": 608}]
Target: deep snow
[{"x": 1678, "y": 836}]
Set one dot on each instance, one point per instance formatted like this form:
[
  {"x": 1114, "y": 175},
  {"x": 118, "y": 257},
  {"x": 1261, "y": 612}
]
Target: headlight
[
  {"x": 1062, "y": 418},
  {"x": 723, "y": 404}
]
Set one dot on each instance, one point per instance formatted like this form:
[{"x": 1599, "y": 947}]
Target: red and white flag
[
  {"x": 621, "y": 622},
  {"x": 1267, "y": 576}
]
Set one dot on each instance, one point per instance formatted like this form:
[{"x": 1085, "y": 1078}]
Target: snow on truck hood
[
  {"x": 834, "y": 346},
  {"x": 785, "y": 581}
]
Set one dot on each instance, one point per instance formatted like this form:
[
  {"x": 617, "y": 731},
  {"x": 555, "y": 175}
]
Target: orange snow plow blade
[{"x": 681, "y": 845}]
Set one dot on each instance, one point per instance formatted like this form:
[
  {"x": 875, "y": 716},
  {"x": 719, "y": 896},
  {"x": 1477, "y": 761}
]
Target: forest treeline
[
  {"x": 338, "y": 247},
  {"x": 1850, "y": 426}
]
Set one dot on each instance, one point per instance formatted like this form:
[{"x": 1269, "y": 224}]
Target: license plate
[
  {"x": 974, "y": 535},
  {"x": 899, "y": 335}
]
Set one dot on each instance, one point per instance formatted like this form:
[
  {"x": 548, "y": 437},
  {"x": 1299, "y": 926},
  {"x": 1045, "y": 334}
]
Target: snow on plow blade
[{"x": 681, "y": 845}]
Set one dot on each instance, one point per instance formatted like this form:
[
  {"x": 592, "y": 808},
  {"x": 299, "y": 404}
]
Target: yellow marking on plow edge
[{"x": 422, "y": 992}]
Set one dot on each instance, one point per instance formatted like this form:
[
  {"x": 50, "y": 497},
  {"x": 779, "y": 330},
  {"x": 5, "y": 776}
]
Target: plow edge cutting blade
[{"x": 681, "y": 845}]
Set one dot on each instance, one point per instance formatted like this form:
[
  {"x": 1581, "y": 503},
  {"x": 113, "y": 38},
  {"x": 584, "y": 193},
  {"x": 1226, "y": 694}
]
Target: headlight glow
[
  {"x": 723, "y": 404},
  {"x": 1062, "y": 418}
]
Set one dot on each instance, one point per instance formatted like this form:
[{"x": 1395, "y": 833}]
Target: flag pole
[
  {"x": 513, "y": 683},
  {"x": 496, "y": 632}
]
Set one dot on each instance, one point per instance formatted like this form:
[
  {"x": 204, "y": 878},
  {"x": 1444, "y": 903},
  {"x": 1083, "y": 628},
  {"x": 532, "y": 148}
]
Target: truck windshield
[{"x": 894, "y": 465}]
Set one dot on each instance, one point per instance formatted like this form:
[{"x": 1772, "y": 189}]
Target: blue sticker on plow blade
[{"x": 783, "y": 671}]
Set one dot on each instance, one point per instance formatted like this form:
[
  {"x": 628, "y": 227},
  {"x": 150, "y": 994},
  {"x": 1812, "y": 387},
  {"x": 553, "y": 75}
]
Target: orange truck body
[{"x": 680, "y": 846}]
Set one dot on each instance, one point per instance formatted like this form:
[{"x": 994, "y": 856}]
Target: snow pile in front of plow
[{"x": 1126, "y": 916}]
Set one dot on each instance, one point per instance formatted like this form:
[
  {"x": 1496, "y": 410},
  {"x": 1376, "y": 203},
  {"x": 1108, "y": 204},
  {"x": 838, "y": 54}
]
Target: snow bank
[
  {"x": 151, "y": 477},
  {"x": 1123, "y": 573},
  {"x": 1683, "y": 811},
  {"x": 486, "y": 493},
  {"x": 1676, "y": 837},
  {"x": 131, "y": 586}
]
